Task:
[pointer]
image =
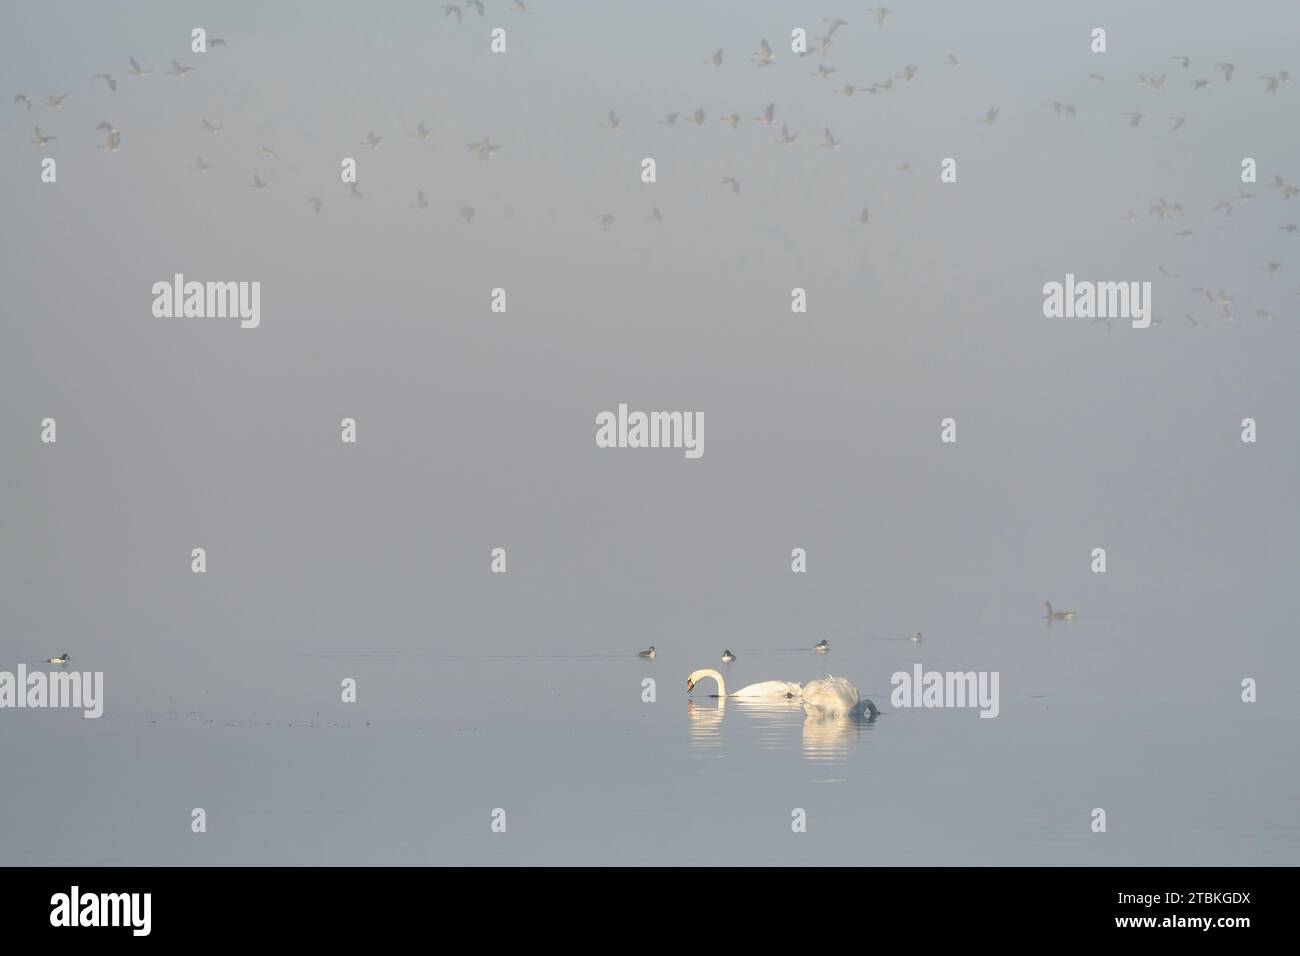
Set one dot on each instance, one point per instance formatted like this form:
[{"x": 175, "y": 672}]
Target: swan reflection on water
[{"x": 782, "y": 725}]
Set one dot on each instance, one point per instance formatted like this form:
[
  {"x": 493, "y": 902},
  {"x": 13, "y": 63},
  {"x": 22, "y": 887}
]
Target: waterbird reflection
[{"x": 781, "y": 725}]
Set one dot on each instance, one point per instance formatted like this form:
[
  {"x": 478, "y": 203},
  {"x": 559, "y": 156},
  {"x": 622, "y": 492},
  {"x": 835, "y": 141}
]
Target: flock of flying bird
[{"x": 818, "y": 47}]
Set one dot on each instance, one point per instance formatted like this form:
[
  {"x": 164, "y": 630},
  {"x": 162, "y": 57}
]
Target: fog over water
[{"x": 476, "y": 430}]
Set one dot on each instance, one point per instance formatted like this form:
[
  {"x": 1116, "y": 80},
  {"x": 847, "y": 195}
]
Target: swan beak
[{"x": 689, "y": 684}]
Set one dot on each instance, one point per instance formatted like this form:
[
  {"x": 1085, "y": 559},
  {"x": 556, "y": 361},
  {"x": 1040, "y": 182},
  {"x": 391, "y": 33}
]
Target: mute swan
[
  {"x": 834, "y": 696},
  {"x": 649, "y": 652},
  {"x": 728, "y": 657},
  {"x": 764, "y": 690}
]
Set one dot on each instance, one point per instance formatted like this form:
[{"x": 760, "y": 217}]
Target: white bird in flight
[
  {"x": 107, "y": 78},
  {"x": 137, "y": 69},
  {"x": 765, "y": 56},
  {"x": 829, "y": 142},
  {"x": 180, "y": 71},
  {"x": 787, "y": 138},
  {"x": 56, "y": 101},
  {"x": 40, "y": 139},
  {"x": 200, "y": 166},
  {"x": 1057, "y": 615},
  {"x": 372, "y": 140},
  {"x": 769, "y": 115},
  {"x": 23, "y": 98},
  {"x": 716, "y": 59},
  {"x": 734, "y": 183},
  {"x": 612, "y": 121}
]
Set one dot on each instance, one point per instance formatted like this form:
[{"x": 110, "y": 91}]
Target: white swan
[
  {"x": 763, "y": 690},
  {"x": 823, "y": 697},
  {"x": 833, "y": 697}
]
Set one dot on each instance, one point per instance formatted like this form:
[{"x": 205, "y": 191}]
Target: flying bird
[
  {"x": 56, "y": 101},
  {"x": 23, "y": 98},
  {"x": 786, "y": 138},
  {"x": 863, "y": 217},
  {"x": 452, "y": 11},
  {"x": 420, "y": 201},
  {"x": 734, "y": 183},
  {"x": 881, "y": 13},
  {"x": 422, "y": 131},
  {"x": 1198, "y": 84},
  {"x": 1133, "y": 118},
  {"x": 40, "y": 139},
  {"x": 355, "y": 190},
  {"x": 200, "y": 166},
  {"x": 466, "y": 213},
  {"x": 655, "y": 214},
  {"x": 829, "y": 142},
  {"x": 611, "y": 121},
  {"x": 765, "y": 56},
  {"x": 716, "y": 59},
  {"x": 1227, "y": 69},
  {"x": 137, "y": 69},
  {"x": 1177, "y": 122},
  {"x": 316, "y": 203},
  {"x": 951, "y": 60},
  {"x": 1183, "y": 61},
  {"x": 733, "y": 119},
  {"x": 990, "y": 117},
  {"x": 697, "y": 117},
  {"x": 258, "y": 182},
  {"x": 268, "y": 152},
  {"x": 211, "y": 127},
  {"x": 372, "y": 140},
  {"x": 107, "y": 78},
  {"x": 180, "y": 71},
  {"x": 769, "y": 115}
]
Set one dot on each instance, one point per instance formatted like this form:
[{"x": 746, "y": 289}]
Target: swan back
[
  {"x": 829, "y": 696},
  {"x": 771, "y": 690}
]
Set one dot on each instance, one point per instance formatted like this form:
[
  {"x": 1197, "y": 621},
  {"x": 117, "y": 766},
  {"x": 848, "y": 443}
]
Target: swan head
[{"x": 697, "y": 676}]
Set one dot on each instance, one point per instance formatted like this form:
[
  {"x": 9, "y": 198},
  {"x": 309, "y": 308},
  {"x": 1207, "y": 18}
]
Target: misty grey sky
[{"x": 476, "y": 430}]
